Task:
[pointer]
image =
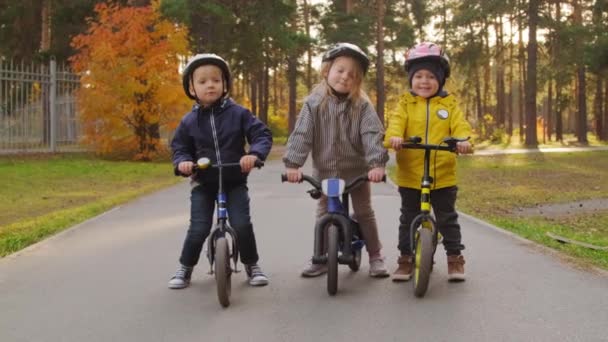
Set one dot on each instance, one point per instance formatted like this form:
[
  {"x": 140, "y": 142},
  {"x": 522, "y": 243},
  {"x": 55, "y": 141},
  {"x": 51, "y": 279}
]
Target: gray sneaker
[
  {"x": 181, "y": 279},
  {"x": 314, "y": 270},
  {"x": 256, "y": 275}
]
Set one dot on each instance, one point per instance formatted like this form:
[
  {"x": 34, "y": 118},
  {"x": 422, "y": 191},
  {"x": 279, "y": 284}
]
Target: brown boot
[
  {"x": 404, "y": 268},
  {"x": 456, "y": 268}
]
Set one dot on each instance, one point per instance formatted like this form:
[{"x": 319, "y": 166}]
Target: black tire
[
  {"x": 356, "y": 263},
  {"x": 333, "y": 243},
  {"x": 424, "y": 250},
  {"x": 222, "y": 272}
]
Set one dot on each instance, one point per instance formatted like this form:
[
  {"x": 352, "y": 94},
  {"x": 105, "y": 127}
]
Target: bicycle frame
[
  {"x": 222, "y": 228},
  {"x": 338, "y": 215},
  {"x": 344, "y": 240},
  {"x": 427, "y": 180},
  {"x": 423, "y": 229}
]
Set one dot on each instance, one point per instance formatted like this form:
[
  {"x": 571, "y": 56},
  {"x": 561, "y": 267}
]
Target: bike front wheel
[
  {"x": 222, "y": 271},
  {"x": 423, "y": 260},
  {"x": 333, "y": 243}
]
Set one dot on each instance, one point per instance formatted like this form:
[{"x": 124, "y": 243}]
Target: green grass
[
  {"x": 44, "y": 194},
  {"x": 513, "y": 141},
  {"x": 496, "y": 188}
]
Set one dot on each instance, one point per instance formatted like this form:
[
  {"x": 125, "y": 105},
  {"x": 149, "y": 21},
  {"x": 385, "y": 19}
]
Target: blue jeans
[{"x": 202, "y": 206}]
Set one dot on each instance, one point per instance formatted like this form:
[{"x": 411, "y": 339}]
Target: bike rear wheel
[
  {"x": 423, "y": 260},
  {"x": 222, "y": 271},
  {"x": 333, "y": 242}
]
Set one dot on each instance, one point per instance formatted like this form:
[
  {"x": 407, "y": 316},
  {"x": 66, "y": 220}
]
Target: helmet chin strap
[{"x": 337, "y": 93}]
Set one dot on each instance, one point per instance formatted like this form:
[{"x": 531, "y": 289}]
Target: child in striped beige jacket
[{"x": 340, "y": 128}]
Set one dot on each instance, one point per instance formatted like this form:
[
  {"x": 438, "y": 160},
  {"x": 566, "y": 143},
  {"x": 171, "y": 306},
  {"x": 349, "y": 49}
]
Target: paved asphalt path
[{"x": 106, "y": 280}]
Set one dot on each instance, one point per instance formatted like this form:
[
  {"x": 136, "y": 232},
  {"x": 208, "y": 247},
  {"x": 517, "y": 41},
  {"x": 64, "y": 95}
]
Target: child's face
[
  {"x": 424, "y": 83},
  {"x": 342, "y": 74},
  {"x": 207, "y": 84}
]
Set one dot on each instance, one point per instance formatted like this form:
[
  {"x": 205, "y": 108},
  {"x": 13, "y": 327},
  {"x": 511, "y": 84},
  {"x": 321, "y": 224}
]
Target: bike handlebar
[
  {"x": 258, "y": 164},
  {"x": 317, "y": 185},
  {"x": 204, "y": 163},
  {"x": 415, "y": 143}
]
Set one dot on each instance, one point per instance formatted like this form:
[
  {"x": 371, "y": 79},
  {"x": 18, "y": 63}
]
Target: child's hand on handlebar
[
  {"x": 396, "y": 143},
  {"x": 185, "y": 167},
  {"x": 248, "y": 162},
  {"x": 464, "y": 147},
  {"x": 293, "y": 175},
  {"x": 376, "y": 174}
]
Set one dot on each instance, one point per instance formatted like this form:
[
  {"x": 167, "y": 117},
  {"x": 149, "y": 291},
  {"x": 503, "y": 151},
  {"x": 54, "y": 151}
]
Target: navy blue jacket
[{"x": 232, "y": 127}]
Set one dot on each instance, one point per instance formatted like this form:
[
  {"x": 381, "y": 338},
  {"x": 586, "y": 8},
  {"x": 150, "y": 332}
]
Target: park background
[{"x": 99, "y": 82}]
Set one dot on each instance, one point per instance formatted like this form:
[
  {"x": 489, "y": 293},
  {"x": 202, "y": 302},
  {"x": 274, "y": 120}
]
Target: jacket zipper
[
  {"x": 426, "y": 130},
  {"x": 215, "y": 141}
]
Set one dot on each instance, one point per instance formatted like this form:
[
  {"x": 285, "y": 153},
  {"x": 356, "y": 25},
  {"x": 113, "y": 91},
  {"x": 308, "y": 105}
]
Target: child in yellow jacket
[{"x": 427, "y": 111}]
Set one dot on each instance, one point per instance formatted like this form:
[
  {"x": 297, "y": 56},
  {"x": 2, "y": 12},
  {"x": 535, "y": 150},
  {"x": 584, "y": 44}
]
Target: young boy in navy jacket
[{"x": 217, "y": 128}]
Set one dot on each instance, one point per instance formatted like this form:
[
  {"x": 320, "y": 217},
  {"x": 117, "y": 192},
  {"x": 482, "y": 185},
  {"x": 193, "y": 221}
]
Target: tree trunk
[
  {"x": 605, "y": 130},
  {"x": 486, "y": 80},
  {"x": 292, "y": 75},
  {"x": 522, "y": 79},
  {"x": 348, "y": 6},
  {"x": 478, "y": 103},
  {"x": 266, "y": 92},
  {"x": 550, "y": 81},
  {"x": 510, "y": 107},
  {"x": 549, "y": 109},
  {"x": 45, "y": 46},
  {"x": 275, "y": 89},
  {"x": 531, "y": 138},
  {"x": 559, "y": 124},
  {"x": 309, "y": 48},
  {"x": 500, "y": 81},
  {"x": 581, "y": 113},
  {"x": 444, "y": 19},
  {"x": 263, "y": 94},
  {"x": 254, "y": 94},
  {"x": 45, "y": 34},
  {"x": 380, "y": 98},
  {"x": 598, "y": 113}
]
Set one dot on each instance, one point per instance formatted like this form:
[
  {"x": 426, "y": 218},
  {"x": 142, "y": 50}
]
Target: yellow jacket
[{"x": 433, "y": 120}]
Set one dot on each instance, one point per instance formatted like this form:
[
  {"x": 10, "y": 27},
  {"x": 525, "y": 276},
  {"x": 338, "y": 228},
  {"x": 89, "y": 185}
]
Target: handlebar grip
[
  {"x": 259, "y": 164},
  {"x": 384, "y": 178},
  {"x": 283, "y": 177}
]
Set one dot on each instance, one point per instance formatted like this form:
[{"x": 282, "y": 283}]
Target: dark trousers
[
  {"x": 202, "y": 206},
  {"x": 443, "y": 202}
]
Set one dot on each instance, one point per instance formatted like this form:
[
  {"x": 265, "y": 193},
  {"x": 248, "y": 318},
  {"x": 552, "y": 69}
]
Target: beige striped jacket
[{"x": 344, "y": 143}]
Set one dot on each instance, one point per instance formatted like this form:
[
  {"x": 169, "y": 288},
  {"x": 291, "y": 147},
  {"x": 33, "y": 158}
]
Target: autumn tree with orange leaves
[{"x": 130, "y": 86}]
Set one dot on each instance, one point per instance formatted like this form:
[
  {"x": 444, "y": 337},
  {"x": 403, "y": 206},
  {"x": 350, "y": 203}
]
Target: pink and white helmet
[{"x": 425, "y": 52}]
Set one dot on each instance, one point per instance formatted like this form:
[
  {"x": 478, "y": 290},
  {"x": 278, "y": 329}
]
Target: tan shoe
[
  {"x": 404, "y": 268},
  {"x": 456, "y": 268}
]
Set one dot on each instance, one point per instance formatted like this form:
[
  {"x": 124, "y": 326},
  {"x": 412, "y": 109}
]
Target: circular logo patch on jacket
[{"x": 442, "y": 114}]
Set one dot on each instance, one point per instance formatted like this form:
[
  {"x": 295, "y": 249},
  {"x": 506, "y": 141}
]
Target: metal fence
[{"x": 38, "y": 110}]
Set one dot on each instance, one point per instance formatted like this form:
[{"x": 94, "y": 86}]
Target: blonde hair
[{"x": 357, "y": 95}]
